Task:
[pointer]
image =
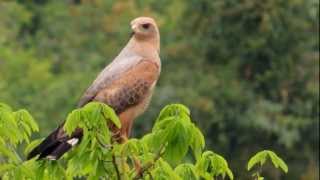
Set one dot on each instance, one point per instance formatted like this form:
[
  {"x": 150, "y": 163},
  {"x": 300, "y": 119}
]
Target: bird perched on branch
[{"x": 126, "y": 85}]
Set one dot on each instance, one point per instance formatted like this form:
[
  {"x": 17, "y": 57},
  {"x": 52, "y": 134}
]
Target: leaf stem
[
  {"x": 116, "y": 166},
  {"x": 150, "y": 164}
]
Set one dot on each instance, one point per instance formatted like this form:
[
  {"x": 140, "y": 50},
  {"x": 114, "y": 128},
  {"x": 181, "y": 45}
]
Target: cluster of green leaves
[
  {"x": 161, "y": 154},
  {"x": 172, "y": 136},
  {"x": 261, "y": 157},
  {"x": 16, "y": 127}
]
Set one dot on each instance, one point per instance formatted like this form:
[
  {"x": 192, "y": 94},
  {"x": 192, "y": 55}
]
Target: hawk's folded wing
[
  {"x": 113, "y": 71},
  {"x": 131, "y": 88}
]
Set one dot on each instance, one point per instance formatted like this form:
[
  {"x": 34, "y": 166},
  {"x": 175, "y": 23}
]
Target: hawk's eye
[{"x": 146, "y": 26}]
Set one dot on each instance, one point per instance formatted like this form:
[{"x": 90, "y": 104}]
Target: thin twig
[
  {"x": 15, "y": 152},
  {"x": 137, "y": 164},
  {"x": 150, "y": 164},
  {"x": 116, "y": 167},
  {"x": 107, "y": 146},
  {"x": 151, "y": 177}
]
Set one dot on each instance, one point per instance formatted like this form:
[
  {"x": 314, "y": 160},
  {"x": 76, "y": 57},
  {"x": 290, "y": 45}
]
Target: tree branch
[{"x": 150, "y": 164}]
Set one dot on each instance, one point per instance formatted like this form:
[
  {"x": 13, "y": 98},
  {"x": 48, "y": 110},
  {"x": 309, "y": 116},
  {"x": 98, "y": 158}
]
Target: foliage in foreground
[{"x": 174, "y": 149}]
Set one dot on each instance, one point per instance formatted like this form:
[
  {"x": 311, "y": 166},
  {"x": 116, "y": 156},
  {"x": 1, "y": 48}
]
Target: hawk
[{"x": 126, "y": 85}]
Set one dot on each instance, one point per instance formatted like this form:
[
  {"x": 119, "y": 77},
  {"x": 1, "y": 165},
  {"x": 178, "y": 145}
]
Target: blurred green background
[{"x": 248, "y": 70}]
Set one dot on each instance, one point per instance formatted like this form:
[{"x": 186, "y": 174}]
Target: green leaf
[
  {"x": 130, "y": 148},
  {"x": 177, "y": 146},
  {"x": 109, "y": 113},
  {"x": 83, "y": 145},
  {"x": 40, "y": 170},
  {"x": 164, "y": 171},
  {"x": 220, "y": 166},
  {"x": 161, "y": 125},
  {"x": 32, "y": 145},
  {"x": 186, "y": 172},
  {"x": 25, "y": 116},
  {"x": 173, "y": 110},
  {"x": 175, "y": 130},
  {"x": 72, "y": 121},
  {"x": 260, "y": 157},
  {"x": 104, "y": 136},
  {"x": 53, "y": 170},
  {"x": 197, "y": 142},
  {"x": 27, "y": 168},
  {"x": 10, "y": 128},
  {"x": 5, "y": 107},
  {"x": 277, "y": 161},
  {"x": 6, "y": 167},
  {"x": 4, "y": 151},
  {"x": 26, "y": 128},
  {"x": 153, "y": 140},
  {"x": 212, "y": 165}
]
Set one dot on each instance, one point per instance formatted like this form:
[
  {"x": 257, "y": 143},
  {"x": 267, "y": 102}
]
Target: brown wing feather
[
  {"x": 113, "y": 71},
  {"x": 131, "y": 88}
]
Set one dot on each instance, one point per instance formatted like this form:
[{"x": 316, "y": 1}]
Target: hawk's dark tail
[{"x": 56, "y": 144}]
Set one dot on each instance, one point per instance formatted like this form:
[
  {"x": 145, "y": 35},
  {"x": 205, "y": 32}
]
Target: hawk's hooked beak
[{"x": 133, "y": 27}]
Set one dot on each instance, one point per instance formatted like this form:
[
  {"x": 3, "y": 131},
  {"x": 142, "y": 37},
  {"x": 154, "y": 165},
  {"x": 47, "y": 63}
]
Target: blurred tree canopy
[{"x": 248, "y": 70}]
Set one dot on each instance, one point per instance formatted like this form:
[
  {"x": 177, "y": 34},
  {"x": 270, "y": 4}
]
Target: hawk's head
[{"x": 144, "y": 28}]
